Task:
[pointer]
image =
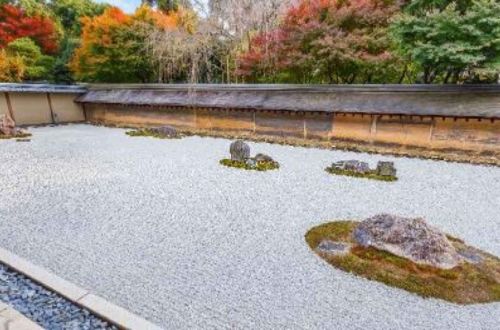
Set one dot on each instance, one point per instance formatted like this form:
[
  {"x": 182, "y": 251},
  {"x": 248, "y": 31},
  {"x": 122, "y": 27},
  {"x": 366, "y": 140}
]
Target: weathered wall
[
  {"x": 3, "y": 104},
  {"x": 420, "y": 131},
  {"x": 65, "y": 109},
  {"x": 28, "y": 108}
]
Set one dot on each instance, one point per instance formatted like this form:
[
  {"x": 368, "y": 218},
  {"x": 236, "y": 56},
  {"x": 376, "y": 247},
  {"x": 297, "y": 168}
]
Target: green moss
[
  {"x": 146, "y": 132},
  {"x": 17, "y": 136},
  {"x": 369, "y": 175},
  {"x": 260, "y": 166},
  {"x": 465, "y": 284}
]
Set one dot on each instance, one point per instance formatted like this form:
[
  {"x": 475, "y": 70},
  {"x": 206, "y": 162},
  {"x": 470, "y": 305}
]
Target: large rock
[
  {"x": 166, "y": 131},
  {"x": 7, "y": 126},
  {"x": 240, "y": 151},
  {"x": 386, "y": 169},
  {"x": 409, "y": 238}
]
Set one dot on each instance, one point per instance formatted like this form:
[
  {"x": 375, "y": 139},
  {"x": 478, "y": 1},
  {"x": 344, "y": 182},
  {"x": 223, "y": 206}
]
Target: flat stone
[{"x": 333, "y": 248}]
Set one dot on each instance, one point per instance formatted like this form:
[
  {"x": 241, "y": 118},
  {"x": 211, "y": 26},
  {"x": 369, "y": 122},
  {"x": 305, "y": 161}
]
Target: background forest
[{"x": 251, "y": 41}]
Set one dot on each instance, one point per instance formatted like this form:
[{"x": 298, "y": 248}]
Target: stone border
[
  {"x": 10, "y": 319},
  {"x": 79, "y": 296}
]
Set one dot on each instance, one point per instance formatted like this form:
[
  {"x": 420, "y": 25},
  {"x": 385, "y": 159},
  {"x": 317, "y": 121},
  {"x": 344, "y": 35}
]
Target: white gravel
[{"x": 159, "y": 227}]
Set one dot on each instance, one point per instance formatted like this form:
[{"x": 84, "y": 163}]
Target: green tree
[
  {"x": 38, "y": 66},
  {"x": 450, "y": 41},
  {"x": 167, "y": 5},
  {"x": 70, "y": 12}
]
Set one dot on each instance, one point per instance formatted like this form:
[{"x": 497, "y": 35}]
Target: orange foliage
[
  {"x": 12, "y": 68},
  {"x": 113, "y": 38}
]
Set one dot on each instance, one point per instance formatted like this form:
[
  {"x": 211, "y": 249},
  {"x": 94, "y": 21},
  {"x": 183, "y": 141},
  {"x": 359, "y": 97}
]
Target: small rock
[
  {"x": 333, "y": 248},
  {"x": 470, "y": 255},
  {"x": 409, "y": 238},
  {"x": 386, "y": 169},
  {"x": 240, "y": 151},
  {"x": 263, "y": 158},
  {"x": 251, "y": 162}
]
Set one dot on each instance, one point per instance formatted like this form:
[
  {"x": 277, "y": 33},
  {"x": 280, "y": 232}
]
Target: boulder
[
  {"x": 386, "y": 169},
  {"x": 7, "y": 126},
  {"x": 240, "y": 151},
  {"x": 263, "y": 158},
  {"x": 410, "y": 238},
  {"x": 166, "y": 131}
]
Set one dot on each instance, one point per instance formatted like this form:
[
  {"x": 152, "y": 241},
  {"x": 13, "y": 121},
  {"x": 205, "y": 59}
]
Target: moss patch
[
  {"x": 260, "y": 166},
  {"x": 17, "y": 136},
  {"x": 465, "y": 284},
  {"x": 146, "y": 132},
  {"x": 369, "y": 175}
]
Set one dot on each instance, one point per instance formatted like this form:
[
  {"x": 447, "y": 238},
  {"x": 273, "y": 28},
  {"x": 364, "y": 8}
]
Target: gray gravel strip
[
  {"x": 160, "y": 228},
  {"x": 42, "y": 306}
]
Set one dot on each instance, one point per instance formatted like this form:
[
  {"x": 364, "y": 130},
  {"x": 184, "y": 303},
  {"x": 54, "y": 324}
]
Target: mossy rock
[
  {"x": 148, "y": 132},
  {"x": 259, "y": 166},
  {"x": 468, "y": 283},
  {"x": 17, "y": 136},
  {"x": 368, "y": 175}
]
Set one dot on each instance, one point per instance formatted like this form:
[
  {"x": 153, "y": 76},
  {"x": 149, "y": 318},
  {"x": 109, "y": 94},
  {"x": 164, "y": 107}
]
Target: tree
[
  {"x": 167, "y": 5},
  {"x": 15, "y": 23},
  {"x": 112, "y": 47},
  {"x": 70, "y": 12},
  {"x": 37, "y": 65},
  {"x": 326, "y": 41},
  {"x": 450, "y": 41},
  {"x": 11, "y": 68}
]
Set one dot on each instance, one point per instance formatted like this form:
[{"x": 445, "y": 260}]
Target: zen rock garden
[
  {"x": 409, "y": 254},
  {"x": 385, "y": 171},
  {"x": 162, "y": 132},
  {"x": 240, "y": 158},
  {"x": 8, "y": 130}
]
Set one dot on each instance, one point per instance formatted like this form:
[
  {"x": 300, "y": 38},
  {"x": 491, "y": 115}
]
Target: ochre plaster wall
[{"x": 427, "y": 132}]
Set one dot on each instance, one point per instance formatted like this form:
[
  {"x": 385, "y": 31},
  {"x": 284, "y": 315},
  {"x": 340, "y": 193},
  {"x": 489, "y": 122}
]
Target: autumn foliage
[
  {"x": 112, "y": 47},
  {"x": 334, "y": 41},
  {"x": 16, "y": 24}
]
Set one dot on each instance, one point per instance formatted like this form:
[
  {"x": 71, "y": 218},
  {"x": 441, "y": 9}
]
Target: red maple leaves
[{"x": 15, "y": 24}]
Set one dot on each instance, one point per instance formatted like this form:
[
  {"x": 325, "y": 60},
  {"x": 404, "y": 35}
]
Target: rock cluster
[
  {"x": 362, "y": 168},
  {"x": 240, "y": 154},
  {"x": 352, "y": 165},
  {"x": 409, "y": 238},
  {"x": 8, "y": 126}
]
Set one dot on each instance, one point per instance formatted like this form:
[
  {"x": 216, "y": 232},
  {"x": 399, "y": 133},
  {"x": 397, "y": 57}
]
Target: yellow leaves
[{"x": 12, "y": 68}]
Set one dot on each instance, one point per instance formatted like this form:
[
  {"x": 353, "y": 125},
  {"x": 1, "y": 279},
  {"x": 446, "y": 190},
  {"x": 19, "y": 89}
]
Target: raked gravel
[{"x": 160, "y": 228}]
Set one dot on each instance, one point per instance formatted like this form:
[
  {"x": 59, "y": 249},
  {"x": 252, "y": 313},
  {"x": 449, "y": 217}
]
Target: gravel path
[
  {"x": 159, "y": 227},
  {"x": 45, "y": 307}
]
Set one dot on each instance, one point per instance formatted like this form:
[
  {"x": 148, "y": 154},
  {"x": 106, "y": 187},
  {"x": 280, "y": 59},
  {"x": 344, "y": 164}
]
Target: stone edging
[
  {"x": 10, "y": 319},
  {"x": 81, "y": 297}
]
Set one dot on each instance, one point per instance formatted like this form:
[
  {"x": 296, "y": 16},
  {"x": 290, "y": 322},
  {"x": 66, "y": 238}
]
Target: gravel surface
[
  {"x": 44, "y": 307},
  {"x": 159, "y": 227}
]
